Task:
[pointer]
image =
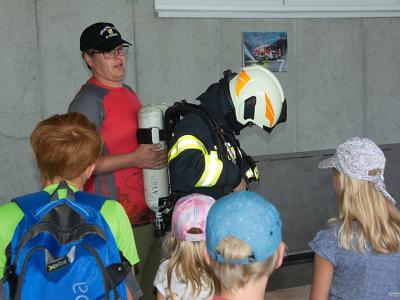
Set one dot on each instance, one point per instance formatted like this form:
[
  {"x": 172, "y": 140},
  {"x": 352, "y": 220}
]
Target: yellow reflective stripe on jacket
[
  {"x": 212, "y": 170},
  {"x": 253, "y": 172},
  {"x": 249, "y": 173},
  {"x": 186, "y": 142},
  {"x": 256, "y": 174},
  {"x": 232, "y": 152}
]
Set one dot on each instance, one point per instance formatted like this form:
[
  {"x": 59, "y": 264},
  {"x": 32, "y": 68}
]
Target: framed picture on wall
[{"x": 266, "y": 48}]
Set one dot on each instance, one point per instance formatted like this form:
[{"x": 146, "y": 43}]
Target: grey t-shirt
[{"x": 366, "y": 276}]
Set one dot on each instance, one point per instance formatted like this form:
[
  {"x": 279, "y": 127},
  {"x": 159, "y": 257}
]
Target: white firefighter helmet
[{"x": 258, "y": 97}]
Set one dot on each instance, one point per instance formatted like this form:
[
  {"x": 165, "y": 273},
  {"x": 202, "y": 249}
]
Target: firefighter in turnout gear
[{"x": 204, "y": 155}]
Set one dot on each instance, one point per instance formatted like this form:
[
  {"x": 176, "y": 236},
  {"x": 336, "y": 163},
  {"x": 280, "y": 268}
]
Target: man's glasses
[{"x": 121, "y": 51}]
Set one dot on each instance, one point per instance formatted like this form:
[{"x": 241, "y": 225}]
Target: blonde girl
[
  {"x": 357, "y": 256},
  {"x": 185, "y": 274}
]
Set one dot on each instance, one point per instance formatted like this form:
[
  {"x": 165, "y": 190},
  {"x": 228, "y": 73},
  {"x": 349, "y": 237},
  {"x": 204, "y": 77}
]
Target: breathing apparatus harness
[{"x": 221, "y": 139}]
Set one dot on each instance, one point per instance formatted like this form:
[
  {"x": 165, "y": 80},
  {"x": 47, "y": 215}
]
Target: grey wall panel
[
  {"x": 19, "y": 78},
  {"x": 382, "y": 73},
  {"x": 329, "y": 82},
  {"x": 18, "y": 173},
  {"x": 177, "y": 59},
  {"x": 392, "y": 170},
  {"x": 20, "y": 105},
  {"x": 60, "y": 26},
  {"x": 304, "y": 194}
]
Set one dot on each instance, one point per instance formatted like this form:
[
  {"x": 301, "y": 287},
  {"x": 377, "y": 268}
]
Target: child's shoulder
[
  {"x": 331, "y": 229},
  {"x": 162, "y": 268},
  {"x": 326, "y": 237},
  {"x": 164, "y": 263}
]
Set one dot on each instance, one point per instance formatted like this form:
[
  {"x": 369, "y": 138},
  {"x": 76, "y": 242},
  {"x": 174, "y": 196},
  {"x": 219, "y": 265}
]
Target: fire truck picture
[{"x": 265, "y": 52}]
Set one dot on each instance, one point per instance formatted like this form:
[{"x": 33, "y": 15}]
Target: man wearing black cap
[{"x": 113, "y": 107}]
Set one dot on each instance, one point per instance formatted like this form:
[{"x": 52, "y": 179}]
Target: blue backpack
[{"x": 64, "y": 249}]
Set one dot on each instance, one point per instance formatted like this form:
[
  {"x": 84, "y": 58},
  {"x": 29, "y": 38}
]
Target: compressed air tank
[{"x": 151, "y": 131}]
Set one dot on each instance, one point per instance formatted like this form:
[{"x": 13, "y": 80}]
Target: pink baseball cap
[{"x": 191, "y": 212}]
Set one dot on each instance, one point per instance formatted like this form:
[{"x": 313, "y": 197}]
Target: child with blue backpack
[
  {"x": 62, "y": 243},
  {"x": 357, "y": 255}
]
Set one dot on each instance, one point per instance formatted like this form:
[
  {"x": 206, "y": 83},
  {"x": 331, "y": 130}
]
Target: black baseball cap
[{"x": 101, "y": 36}]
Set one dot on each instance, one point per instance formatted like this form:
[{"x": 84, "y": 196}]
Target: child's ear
[
  {"x": 88, "y": 172},
  {"x": 281, "y": 254},
  {"x": 33, "y": 156},
  {"x": 205, "y": 253}
]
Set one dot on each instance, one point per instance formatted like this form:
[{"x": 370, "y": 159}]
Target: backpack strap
[
  {"x": 63, "y": 185},
  {"x": 92, "y": 200},
  {"x": 30, "y": 202}
]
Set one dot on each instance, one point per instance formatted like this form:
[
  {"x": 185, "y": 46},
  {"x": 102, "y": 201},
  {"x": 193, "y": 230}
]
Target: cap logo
[
  {"x": 269, "y": 110},
  {"x": 109, "y": 32},
  {"x": 243, "y": 79}
]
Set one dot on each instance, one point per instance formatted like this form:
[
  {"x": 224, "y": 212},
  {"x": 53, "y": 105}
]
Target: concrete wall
[{"x": 343, "y": 77}]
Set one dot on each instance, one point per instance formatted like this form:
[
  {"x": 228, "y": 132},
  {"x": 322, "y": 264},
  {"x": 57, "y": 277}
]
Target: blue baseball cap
[{"x": 248, "y": 217}]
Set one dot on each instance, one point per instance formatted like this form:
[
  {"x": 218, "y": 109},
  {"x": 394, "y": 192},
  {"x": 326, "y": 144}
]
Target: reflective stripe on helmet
[
  {"x": 269, "y": 110},
  {"x": 212, "y": 170},
  {"x": 243, "y": 79}
]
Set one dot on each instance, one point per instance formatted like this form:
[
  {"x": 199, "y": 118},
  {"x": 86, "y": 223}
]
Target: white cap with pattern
[{"x": 356, "y": 157}]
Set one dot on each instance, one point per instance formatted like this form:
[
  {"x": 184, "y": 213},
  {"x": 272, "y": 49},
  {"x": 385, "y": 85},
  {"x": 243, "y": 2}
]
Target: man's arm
[
  {"x": 145, "y": 157},
  {"x": 89, "y": 102}
]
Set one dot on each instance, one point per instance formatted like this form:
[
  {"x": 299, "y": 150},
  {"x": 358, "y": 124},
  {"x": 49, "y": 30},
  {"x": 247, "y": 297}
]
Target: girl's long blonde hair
[
  {"x": 377, "y": 218},
  {"x": 187, "y": 260}
]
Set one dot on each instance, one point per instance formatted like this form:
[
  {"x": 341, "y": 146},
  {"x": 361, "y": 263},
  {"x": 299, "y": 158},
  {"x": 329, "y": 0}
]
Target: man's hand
[
  {"x": 150, "y": 156},
  {"x": 241, "y": 186}
]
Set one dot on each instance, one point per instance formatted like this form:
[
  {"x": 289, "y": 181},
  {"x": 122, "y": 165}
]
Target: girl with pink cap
[{"x": 185, "y": 274}]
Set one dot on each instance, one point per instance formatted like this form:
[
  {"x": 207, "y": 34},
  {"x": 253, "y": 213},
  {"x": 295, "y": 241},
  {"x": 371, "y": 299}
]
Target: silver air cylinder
[{"x": 156, "y": 183}]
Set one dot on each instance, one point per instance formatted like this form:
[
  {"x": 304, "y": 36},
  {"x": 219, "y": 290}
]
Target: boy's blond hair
[
  {"x": 235, "y": 276},
  {"x": 187, "y": 260},
  {"x": 377, "y": 218},
  {"x": 244, "y": 240},
  {"x": 65, "y": 145}
]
